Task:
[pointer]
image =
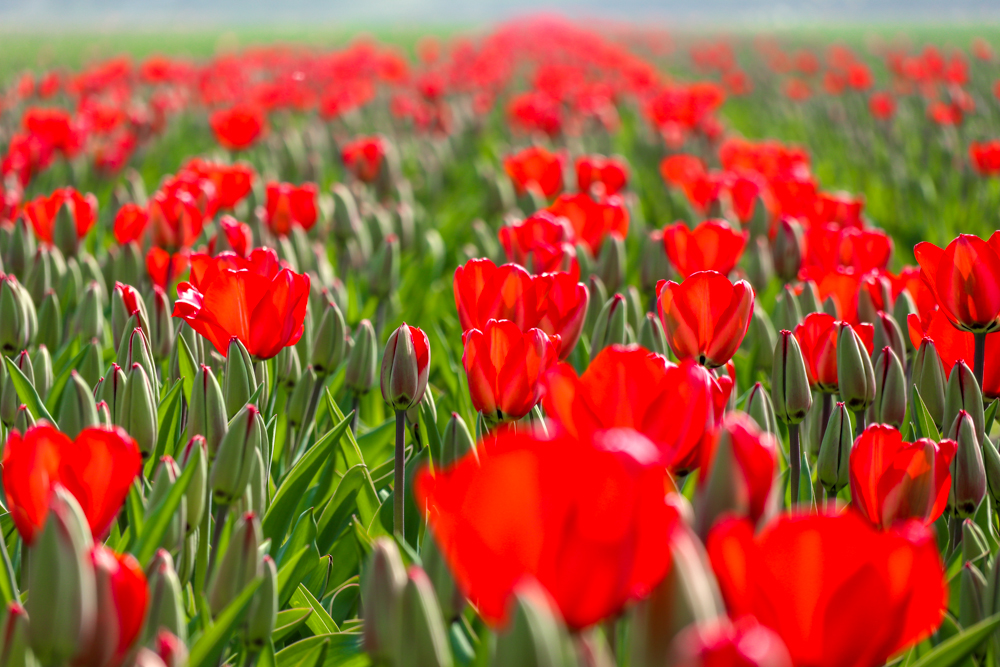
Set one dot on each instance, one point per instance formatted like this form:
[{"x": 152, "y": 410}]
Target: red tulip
[
  {"x": 882, "y": 105},
  {"x": 711, "y": 246},
  {"x": 592, "y": 220},
  {"x": 706, "y": 316},
  {"x": 122, "y": 600},
  {"x": 238, "y": 235},
  {"x": 865, "y": 249},
  {"x": 722, "y": 643},
  {"x": 97, "y": 468},
  {"x": 42, "y": 212},
  {"x": 687, "y": 172},
  {"x": 986, "y": 157},
  {"x": 232, "y": 182},
  {"x": 505, "y": 366},
  {"x": 842, "y": 285},
  {"x": 535, "y": 168},
  {"x": 165, "y": 268},
  {"x": 965, "y": 279},
  {"x": 954, "y": 344},
  {"x": 253, "y": 299},
  {"x": 176, "y": 219},
  {"x": 610, "y": 172},
  {"x": 909, "y": 279},
  {"x": 542, "y": 243},
  {"x": 837, "y": 591},
  {"x": 364, "y": 157},
  {"x": 238, "y": 127},
  {"x": 894, "y": 481},
  {"x": 289, "y": 205},
  {"x": 560, "y": 308},
  {"x": 587, "y": 518},
  {"x": 817, "y": 337},
  {"x": 130, "y": 223},
  {"x": 676, "y": 407},
  {"x": 743, "y": 191}
]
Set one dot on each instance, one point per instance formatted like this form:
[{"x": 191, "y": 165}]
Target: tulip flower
[
  {"x": 238, "y": 127},
  {"x": 289, "y": 205},
  {"x": 43, "y": 213},
  {"x": 253, "y": 299},
  {"x": 817, "y": 338},
  {"x": 800, "y": 577},
  {"x": 537, "y": 169},
  {"x": 238, "y": 235},
  {"x": 711, "y": 246},
  {"x": 232, "y": 182},
  {"x": 542, "y": 243},
  {"x": 705, "y": 317},
  {"x": 504, "y": 367},
  {"x": 130, "y": 223},
  {"x": 611, "y": 173},
  {"x": 364, "y": 157},
  {"x": 894, "y": 481},
  {"x": 723, "y": 643},
  {"x": 592, "y": 221},
  {"x": 590, "y": 521},
  {"x": 97, "y": 468},
  {"x": 175, "y": 219},
  {"x": 122, "y": 598}
]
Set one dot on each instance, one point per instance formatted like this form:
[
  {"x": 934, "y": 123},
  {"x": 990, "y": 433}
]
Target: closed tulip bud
[
  {"x": 77, "y": 408},
  {"x": 611, "y": 262},
  {"x": 383, "y": 276},
  {"x": 833, "y": 465},
  {"x": 104, "y": 414},
  {"x": 889, "y": 406},
  {"x": 901, "y": 311},
  {"x": 927, "y": 375},
  {"x": 287, "y": 367},
  {"x": 635, "y": 310},
  {"x": 790, "y": 393},
  {"x": 10, "y": 401},
  {"x": 855, "y": 375},
  {"x": 451, "y": 599},
  {"x": 382, "y": 584},
  {"x": 41, "y": 276},
  {"x": 362, "y": 360},
  {"x": 41, "y": 362},
  {"x": 90, "y": 314},
  {"x": 758, "y": 405},
  {"x": 968, "y": 476},
  {"x": 304, "y": 346},
  {"x": 888, "y": 333},
  {"x": 991, "y": 462},
  {"x": 653, "y": 265},
  {"x": 329, "y": 346},
  {"x": 90, "y": 366},
  {"x": 758, "y": 263},
  {"x": 171, "y": 649},
  {"x": 422, "y": 638},
  {"x": 261, "y": 372},
  {"x": 64, "y": 231},
  {"x": 62, "y": 605},
  {"x": 974, "y": 543},
  {"x": 70, "y": 284},
  {"x": 973, "y": 589},
  {"x": 301, "y": 395},
  {"x": 963, "y": 393},
  {"x": 111, "y": 390},
  {"x": 126, "y": 302},
  {"x": 264, "y": 608},
  {"x": 760, "y": 339},
  {"x": 50, "y": 322},
  {"x": 14, "y": 650},
  {"x": 586, "y": 260},
  {"x": 611, "y": 326},
  {"x": 255, "y": 495},
  {"x": 135, "y": 349},
  {"x": 651, "y": 335},
  {"x": 14, "y": 319},
  {"x": 535, "y": 635},
  {"x": 161, "y": 325},
  {"x": 868, "y": 308},
  {"x": 163, "y": 481},
  {"x": 20, "y": 250},
  {"x": 788, "y": 249},
  {"x": 788, "y": 313},
  {"x": 166, "y": 602},
  {"x": 239, "y": 566},
  {"x": 598, "y": 297},
  {"x": 808, "y": 298},
  {"x": 23, "y": 420},
  {"x": 239, "y": 379},
  {"x": 137, "y": 410},
  {"x": 195, "y": 453},
  {"x": 457, "y": 440},
  {"x": 233, "y": 463},
  {"x": 207, "y": 414},
  {"x": 405, "y": 367}
]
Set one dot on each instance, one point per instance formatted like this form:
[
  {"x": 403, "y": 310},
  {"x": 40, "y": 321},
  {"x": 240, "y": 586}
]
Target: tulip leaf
[
  {"x": 159, "y": 517},
  {"x": 355, "y": 493},
  {"x": 188, "y": 370},
  {"x": 954, "y": 650},
  {"x": 316, "y": 655},
  {"x": 26, "y": 392},
  {"x": 8, "y": 582},
  {"x": 352, "y": 454},
  {"x": 344, "y": 650},
  {"x": 320, "y": 621},
  {"x": 344, "y": 600},
  {"x": 56, "y": 390},
  {"x": 925, "y": 424},
  {"x": 288, "y": 621},
  {"x": 376, "y": 444},
  {"x": 991, "y": 414},
  {"x": 293, "y": 487},
  {"x": 168, "y": 418},
  {"x": 208, "y": 649},
  {"x": 266, "y": 657}
]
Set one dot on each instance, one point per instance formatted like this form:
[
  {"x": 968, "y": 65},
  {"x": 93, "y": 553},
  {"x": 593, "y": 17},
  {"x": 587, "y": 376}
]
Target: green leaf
[
  {"x": 169, "y": 429},
  {"x": 296, "y": 568},
  {"x": 208, "y": 649},
  {"x": 27, "y": 394},
  {"x": 320, "y": 621},
  {"x": 303, "y": 534},
  {"x": 355, "y": 493},
  {"x": 925, "y": 424},
  {"x": 8, "y": 582},
  {"x": 56, "y": 390},
  {"x": 187, "y": 368},
  {"x": 316, "y": 656},
  {"x": 266, "y": 657},
  {"x": 344, "y": 650},
  {"x": 279, "y": 514},
  {"x": 991, "y": 414},
  {"x": 288, "y": 621},
  {"x": 159, "y": 517},
  {"x": 377, "y": 444},
  {"x": 352, "y": 453},
  {"x": 955, "y": 649}
]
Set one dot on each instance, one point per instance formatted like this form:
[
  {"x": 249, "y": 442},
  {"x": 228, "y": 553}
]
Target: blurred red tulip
[
  {"x": 882, "y": 105},
  {"x": 535, "y": 168},
  {"x": 42, "y": 212},
  {"x": 894, "y": 481},
  {"x": 705, "y": 317},
  {"x": 722, "y": 643},
  {"x": 965, "y": 279},
  {"x": 130, "y": 223},
  {"x": 954, "y": 344},
  {"x": 176, "y": 219},
  {"x": 122, "y": 598},
  {"x": 985, "y": 157},
  {"x": 541, "y": 243},
  {"x": 364, "y": 157},
  {"x": 238, "y": 235},
  {"x": 238, "y": 127},
  {"x": 611, "y": 173},
  {"x": 253, "y": 299},
  {"x": 837, "y": 591},
  {"x": 165, "y": 268},
  {"x": 592, "y": 220},
  {"x": 232, "y": 182},
  {"x": 289, "y": 205},
  {"x": 588, "y": 519},
  {"x": 711, "y": 246},
  {"x": 817, "y": 337}
]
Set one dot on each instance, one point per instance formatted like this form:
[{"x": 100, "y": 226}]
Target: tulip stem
[
  {"x": 859, "y": 426},
  {"x": 220, "y": 523},
  {"x": 979, "y": 360},
  {"x": 794, "y": 460},
  {"x": 827, "y": 409},
  {"x": 398, "y": 490},
  {"x": 355, "y": 408}
]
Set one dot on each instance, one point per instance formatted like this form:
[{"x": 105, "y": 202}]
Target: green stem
[
  {"x": 827, "y": 409},
  {"x": 794, "y": 462},
  {"x": 398, "y": 489},
  {"x": 859, "y": 426},
  {"x": 220, "y": 522},
  {"x": 980, "y": 356}
]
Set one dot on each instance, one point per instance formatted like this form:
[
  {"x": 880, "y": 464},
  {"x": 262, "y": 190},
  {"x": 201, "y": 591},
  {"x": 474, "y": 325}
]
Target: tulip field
[{"x": 546, "y": 345}]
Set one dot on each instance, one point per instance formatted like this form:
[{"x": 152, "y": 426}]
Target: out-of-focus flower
[{"x": 238, "y": 127}]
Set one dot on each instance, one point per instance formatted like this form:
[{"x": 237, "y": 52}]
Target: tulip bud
[
  {"x": 255, "y": 496},
  {"x": 195, "y": 342},
  {"x": 404, "y": 373},
  {"x": 70, "y": 281},
  {"x": 889, "y": 406},
  {"x": 653, "y": 264},
  {"x": 868, "y": 309},
  {"x": 41, "y": 278},
  {"x": 991, "y": 462},
  {"x": 833, "y": 466},
  {"x": 328, "y": 350},
  {"x": 14, "y": 319},
  {"x": 50, "y": 322},
  {"x": 301, "y": 395},
  {"x": 457, "y": 440},
  {"x": 598, "y": 297},
  {"x": 422, "y": 638},
  {"x": 974, "y": 543},
  {"x": 166, "y": 603},
  {"x": 634, "y": 308},
  {"x": 90, "y": 314},
  {"x": 240, "y": 565},
  {"x": 23, "y": 420},
  {"x": 195, "y": 453},
  {"x": 760, "y": 339},
  {"x": 808, "y": 298},
  {"x": 901, "y": 311},
  {"x": 137, "y": 410},
  {"x": 973, "y": 589},
  {"x": 41, "y": 362},
  {"x": 287, "y": 367},
  {"x": 362, "y": 360},
  {"x": 788, "y": 249},
  {"x": 610, "y": 327},
  {"x": 64, "y": 233},
  {"x": 651, "y": 334},
  {"x": 126, "y": 302},
  {"x": 535, "y": 634},
  {"x": 304, "y": 346},
  {"x": 171, "y": 650},
  {"x": 264, "y": 608},
  {"x": 238, "y": 378},
  {"x": 611, "y": 262},
  {"x": 855, "y": 375},
  {"x": 384, "y": 268},
  {"x": 758, "y": 405},
  {"x": 963, "y": 393},
  {"x": 77, "y": 409},
  {"x": 788, "y": 313},
  {"x": 758, "y": 263},
  {"x": 583, "y": 258},
  {"x": 146, "y": 658},
  {"x": 451, "y": 599},
  {"x": 111, "y": 390},
  {"x": 790, "y": 393},
  {"x": 188, "y": 558},
  {"x": 104, "y": 414},
  {"x": 234, "y": 461},
  {"x": 10, "y": 401},
  {"x": 20, "y": 250},
  {"x": 163, "y": 481},
  {"x": 161, "y": 326},
  {"x": 14, "y": 650},
  {"x": 207, "y": 415},
  {"x": 90, "y": 365},
  {"x": 135, "y": 349},
  {"x": 888, "y": 333},
  {"x": 62, "y": 605},
  {"x": 927, "y": 373},
  {"x": 968, "y": 473},
  {"x": 382, "y": 584}
]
